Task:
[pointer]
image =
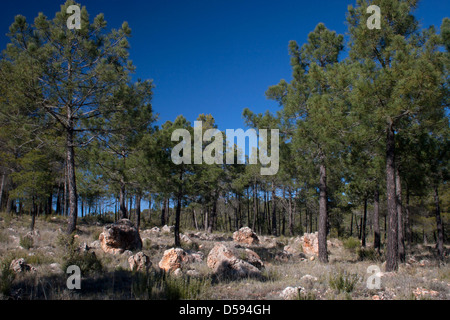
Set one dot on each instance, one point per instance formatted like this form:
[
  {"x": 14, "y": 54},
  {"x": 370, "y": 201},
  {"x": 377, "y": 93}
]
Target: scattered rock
[
  {"x": 245, "y": 235},
  {"x": 167, "y": 229},
  {"x": 310, "y": 243},
  {"x": 424, "y": 263},
  {"x": 308, "y": 277},
  {"x": 223, "y": 262},
  {"x": 139, "y": 262},
  {"x": 424, "y": 293},
  {"x": 184, "y": 238},
  {"x": 56, "y": 268},
  {"x": 291, "y": 293},
  {"x": 173, "y": 259},
  {"x": 253, "y": 258},
  {"x": 120, "y": 236},
  {"x": 283, "y": 256},
  {"x": 19, "y": 266}
]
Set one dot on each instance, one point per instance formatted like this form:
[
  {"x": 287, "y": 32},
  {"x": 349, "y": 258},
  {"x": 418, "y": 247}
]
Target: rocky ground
[{"x": 117, "y": 262}]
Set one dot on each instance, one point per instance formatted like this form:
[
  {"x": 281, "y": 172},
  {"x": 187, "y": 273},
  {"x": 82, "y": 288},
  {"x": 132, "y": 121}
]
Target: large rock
[
  {"x": 173, "y": 259},
  {"x": 120, "y": 236},
  {"x": 291, "y": 293},
  {"x": 20, "y": 266},
  {"x": 139, "y": 262},
  {"x": 310, "y": 243},
  {"x": 223, "y": 262},
  {"x": 245, "y": 235}
]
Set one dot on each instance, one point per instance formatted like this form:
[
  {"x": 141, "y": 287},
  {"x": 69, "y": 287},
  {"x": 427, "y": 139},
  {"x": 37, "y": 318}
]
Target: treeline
[{"x": 363, "y": 139}]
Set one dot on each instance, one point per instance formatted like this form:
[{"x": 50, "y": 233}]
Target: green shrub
[
  {"x": 72, "y": 255},
  {"x": 162, "y": 285},
  {"x": 306, "y": 296},
  {"x": 6, "y": 278},
  {"x": 351, "y": 243},
  {"x": 26, "y": 242},
  {"x": 343, "y": 281},
  {"x": 369, "y": 254}
]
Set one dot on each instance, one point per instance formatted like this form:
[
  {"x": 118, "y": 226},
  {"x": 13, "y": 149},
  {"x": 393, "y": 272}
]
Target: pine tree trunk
[
  {"x": 138, "y": 211},
  {"x": 163, "y": 213},
  {"x": 376, "y": 221},
  {"x": 71, "y": 179},
  {"x": 274, "y": 212},
  {"x": 291, "y": 216},
  {"x": 255, "y": 213},
  {"x": 351, "y": 226},
  {"x": 33, "y": 215},
  {"x": 177, "y": 221},
  {"x": 408, "y": 219},
  {"x": 392, "y": 232},
  {"x": 401, "y": 238},
  {"x": 323, "y": 212},
  {"x": 123, "y": 214},
  {"x": 440, "y": 228},
  {"x": 2, "y": 187},
  {"x": 363, "y": 236}
]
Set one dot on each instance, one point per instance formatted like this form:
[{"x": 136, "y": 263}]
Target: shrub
[
  {"x": 343, "y": 281},
  {"x": 26, "y": 242},
  {"x": 6, "y": 278},
  {"x": 351, "y": 243},
  {"x": 162, "y": 285},
  {"x": 72, "y": 255},
  {"x": 368, "y": 254}
]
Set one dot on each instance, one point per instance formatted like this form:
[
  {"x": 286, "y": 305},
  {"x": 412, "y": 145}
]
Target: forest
[{"x": 363, "y": 136}]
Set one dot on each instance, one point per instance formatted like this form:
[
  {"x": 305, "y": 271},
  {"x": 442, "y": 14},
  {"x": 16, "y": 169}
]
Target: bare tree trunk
[
  {"x": 408, "y": 233},
  {"x": 163, "y": 213},
  {"x": 351, "y": 225},
  {"x": 274, "y": 212},
  {"x": 291, "y": 216},
  {"x": 71, "y": 178},
  {"x": 177, "y": 221},
  {"x": 33, "y": 214},
  {"x": 2, "y": 187},
  {"x": 323, "y": 212},
  {"x": 194, "y": 217},
  {"x": 401, "y": 238},
  {"x": 123, "y": 214},
  {"x": 138, "y": 211},
  {"x": 392, "y": 232},
  {"x": 376, "y": 221},
  {"x": 363, "y": 236},
  {"x": 255, "y": 213},
  {"x": 440, "y": 228}
]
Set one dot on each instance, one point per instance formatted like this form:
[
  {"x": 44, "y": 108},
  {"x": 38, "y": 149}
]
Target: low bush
[
  {"x": 73, "y": 255},
  {"x": 351, "y": 243},
  {"x": 343, "y": 281}
]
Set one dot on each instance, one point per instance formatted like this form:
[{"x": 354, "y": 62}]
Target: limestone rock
[
  {"x": 167, "y": 229},
  {"x": 173, "y": 259},
  {"x": 245, "y": 235},
  {"x": 223, "y": 262},
  {"x": 139, "y": 262},
  {"x": 120, "y": 236},
  {"x": 253, "y": 258},
  {"x": 20, "y": 265},
  {"x": 310, "y": 243},
  {"x": 291, "y": 293}
]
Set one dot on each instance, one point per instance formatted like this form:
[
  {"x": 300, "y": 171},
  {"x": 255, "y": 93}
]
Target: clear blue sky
[{"x": 212, "y": 56}]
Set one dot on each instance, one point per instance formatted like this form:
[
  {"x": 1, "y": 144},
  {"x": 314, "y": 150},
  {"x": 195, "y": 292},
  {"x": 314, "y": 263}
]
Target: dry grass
[{"x": 320, "y": 281}]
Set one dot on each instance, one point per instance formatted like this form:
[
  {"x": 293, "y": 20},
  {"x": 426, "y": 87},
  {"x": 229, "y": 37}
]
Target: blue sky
[{"x": 213, "y": 56}]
